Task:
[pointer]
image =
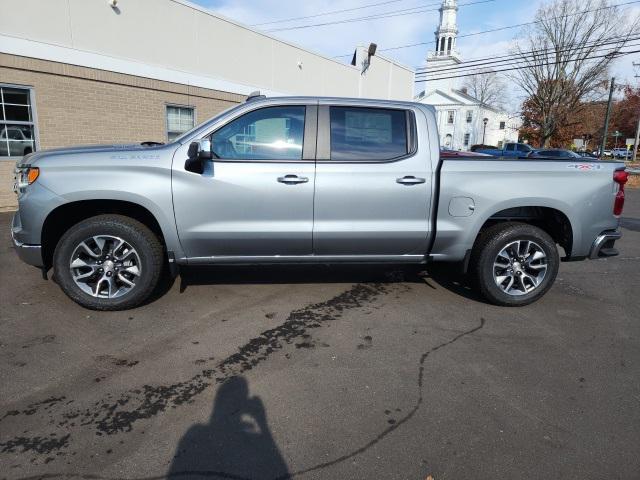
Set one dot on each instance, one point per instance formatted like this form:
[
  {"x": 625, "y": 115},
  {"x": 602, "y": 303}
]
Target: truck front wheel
[
  {"x": 108, "y": 262},
  {"x": 514, "y": 264}
]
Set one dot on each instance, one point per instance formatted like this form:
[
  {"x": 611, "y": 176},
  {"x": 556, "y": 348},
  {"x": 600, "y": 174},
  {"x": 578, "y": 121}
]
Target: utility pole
[
  {"x": 635, "y": 145},
  {"x": 606, "y": 118}
]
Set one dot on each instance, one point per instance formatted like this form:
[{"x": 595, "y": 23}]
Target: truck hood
[{"x": 32, "y": 158}]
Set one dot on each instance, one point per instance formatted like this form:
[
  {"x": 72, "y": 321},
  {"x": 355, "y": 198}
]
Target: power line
[
  {"x": 395, "y": 13},
  {"x": 493, "y": 30},
  {"x": 333, "y": 12},
  {"x": 617, "y": 54},
  {"x": 528, "y": 55},
  {"x": 474, "y": 62},
  {"x": 514, "y": 61},
  {"x": 519, "y": 64}
]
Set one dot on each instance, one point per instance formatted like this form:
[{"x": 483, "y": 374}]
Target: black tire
[
  {"x": 491, "y": 242},
  {"x": 141, "y": 238}
]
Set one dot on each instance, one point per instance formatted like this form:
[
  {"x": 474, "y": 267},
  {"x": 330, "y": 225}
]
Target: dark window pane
[
  {"x": 15, "y": 95},
  {"x": 17, "y": 113},
  {"x": 272, "y": 133},
  {"x": 366, "y": 134}
]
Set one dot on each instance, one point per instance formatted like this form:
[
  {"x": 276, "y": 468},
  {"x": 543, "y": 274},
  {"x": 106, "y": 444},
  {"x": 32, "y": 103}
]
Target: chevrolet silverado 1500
[{"x": 308, "y": 180}]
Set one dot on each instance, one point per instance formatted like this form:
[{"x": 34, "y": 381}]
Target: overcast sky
[{"x": 411, "y": 28}]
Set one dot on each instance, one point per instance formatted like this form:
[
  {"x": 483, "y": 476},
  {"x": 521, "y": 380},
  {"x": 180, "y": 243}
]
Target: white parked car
[{"x": 621, "y": 152}]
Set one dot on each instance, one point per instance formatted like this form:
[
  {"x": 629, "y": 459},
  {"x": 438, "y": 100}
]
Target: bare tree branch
[
  {"x": 488, "y": 88},
  {"x": 559, "y": 70}
]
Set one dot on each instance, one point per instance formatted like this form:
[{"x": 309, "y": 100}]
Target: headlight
[{"x": 25, "y": 176}]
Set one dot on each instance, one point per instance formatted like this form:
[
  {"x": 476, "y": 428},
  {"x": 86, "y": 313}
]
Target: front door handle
[
  {"x": 292, "y": 179},
  {"x": 410, "y": 180}
]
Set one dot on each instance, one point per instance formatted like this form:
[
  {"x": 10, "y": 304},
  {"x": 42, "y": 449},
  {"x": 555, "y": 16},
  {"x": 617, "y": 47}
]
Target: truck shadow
[{"x": 435, "y": 276}]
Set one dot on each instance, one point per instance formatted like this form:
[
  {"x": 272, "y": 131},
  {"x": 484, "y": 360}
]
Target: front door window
[{"x": 272, "y": 133}]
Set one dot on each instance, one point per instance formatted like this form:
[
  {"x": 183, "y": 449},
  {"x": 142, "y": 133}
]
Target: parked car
[
  {"x": 621, "y": 153},
  {"x": 475, "y": 148},
  {"x": 555, "y": 153},
  {"x": 308, "y": 180},
  {"x": 605, "y": 153},
  {"x": 519, "y": 150},
  {"x": 588, "y": 155}
]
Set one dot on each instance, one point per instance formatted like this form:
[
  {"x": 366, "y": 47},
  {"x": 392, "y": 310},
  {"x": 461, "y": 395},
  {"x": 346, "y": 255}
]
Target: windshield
[{"x": 200, "y": 125}]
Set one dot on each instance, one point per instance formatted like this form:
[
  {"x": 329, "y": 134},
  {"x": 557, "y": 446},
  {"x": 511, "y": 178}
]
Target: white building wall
[
  {"x": 180, "y": 38},
  {"x": 494, "y": 134}
]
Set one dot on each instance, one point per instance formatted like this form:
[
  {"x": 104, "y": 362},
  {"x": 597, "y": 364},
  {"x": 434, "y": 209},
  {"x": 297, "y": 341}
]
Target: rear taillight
[{"x": 620, "y": 177}]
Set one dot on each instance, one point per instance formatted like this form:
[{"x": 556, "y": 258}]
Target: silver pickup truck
[{"x": 308, "y": 180}]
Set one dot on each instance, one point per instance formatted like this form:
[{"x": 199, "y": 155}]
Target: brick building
[{"x": 88, "y": 71}]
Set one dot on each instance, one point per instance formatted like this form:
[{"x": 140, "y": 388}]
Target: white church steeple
[
  {"x": 448, "y": 30},
  {"x": 444, "y": 54},
  {"x": 460, "y": 116}
]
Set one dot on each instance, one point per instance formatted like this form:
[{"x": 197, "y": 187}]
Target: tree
[
  {"x": 565, "y": 57},
  {"x": 488, "y": 88},
  {"x": 627, "y": 111}
]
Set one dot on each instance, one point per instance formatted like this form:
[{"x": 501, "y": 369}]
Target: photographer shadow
[{"x": 235, "y": 444}]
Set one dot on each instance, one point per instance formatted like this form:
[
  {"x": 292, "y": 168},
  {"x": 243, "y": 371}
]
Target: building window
[
  {"x": 502, "y": 125},
  {"x": 179, "y": 120},
  {"x": 451, "y": 115},
  {"x": 467, "y": 139},
  {"x": 17, "y": 124},
  {"x": 469, "y": 116}
]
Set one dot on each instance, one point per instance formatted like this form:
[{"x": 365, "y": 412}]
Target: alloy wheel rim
[
  {"x": 105, "y": 266},
  {"x": 520, "y": 267}
]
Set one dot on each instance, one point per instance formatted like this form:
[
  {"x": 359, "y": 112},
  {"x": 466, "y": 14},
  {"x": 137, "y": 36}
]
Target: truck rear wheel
[
  {"x": 514, "y": 264},
  {"x": 108, "y": 262}
]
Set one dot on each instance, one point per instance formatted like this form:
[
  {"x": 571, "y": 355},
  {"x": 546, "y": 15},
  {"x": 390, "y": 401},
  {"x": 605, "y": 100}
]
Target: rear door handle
[
  {"x": 410, "y": 180},
  {"x": 292, "y": 179}
]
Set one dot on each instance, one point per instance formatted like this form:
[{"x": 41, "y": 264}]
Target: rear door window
[{"x": 368, "y": 134}]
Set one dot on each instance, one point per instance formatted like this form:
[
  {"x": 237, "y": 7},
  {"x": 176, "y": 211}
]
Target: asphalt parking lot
[{"x": 317, "y": 372}]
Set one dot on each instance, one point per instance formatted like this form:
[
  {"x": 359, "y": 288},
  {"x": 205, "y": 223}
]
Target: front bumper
[
  {"x": 603, "y": 245},
  {"x": 31, "y": 254}
]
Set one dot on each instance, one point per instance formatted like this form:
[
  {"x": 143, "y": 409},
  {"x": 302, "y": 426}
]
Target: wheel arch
[
  {"x": 63, "y": 217},
  {"x": 552, "y": 220}
]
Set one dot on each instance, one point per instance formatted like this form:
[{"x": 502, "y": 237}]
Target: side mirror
[
  {"x": 199, "y": 152},
  {"x": 200, "y": 149}
]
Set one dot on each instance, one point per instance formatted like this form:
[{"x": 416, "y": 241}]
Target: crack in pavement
[{"x": 387, "y": 431}]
